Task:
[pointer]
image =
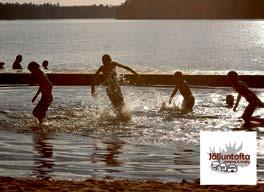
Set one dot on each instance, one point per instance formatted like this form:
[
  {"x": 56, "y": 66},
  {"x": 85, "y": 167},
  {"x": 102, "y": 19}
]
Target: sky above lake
[{"x": 69, "y": 2}]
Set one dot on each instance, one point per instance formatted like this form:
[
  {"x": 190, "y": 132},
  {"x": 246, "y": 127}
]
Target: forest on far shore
[
  {"x": 140, "y": 9},
  {"x": 54, "y": 11},
  {"x": 191, "y": 9}
]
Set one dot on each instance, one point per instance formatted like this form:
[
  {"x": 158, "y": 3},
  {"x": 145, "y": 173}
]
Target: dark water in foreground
[{"x": 82, "y": 139}]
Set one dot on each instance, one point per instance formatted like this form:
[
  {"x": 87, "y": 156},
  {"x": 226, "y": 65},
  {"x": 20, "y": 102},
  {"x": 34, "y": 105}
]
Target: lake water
[
  {"x": 165, "y": 46},
  {"x": 81, "y": 138}
]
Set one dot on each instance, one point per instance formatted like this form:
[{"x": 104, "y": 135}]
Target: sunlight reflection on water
[{"x": 81, "y": 139}]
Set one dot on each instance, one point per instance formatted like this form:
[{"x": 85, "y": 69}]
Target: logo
[{"x": 228, "y": 158}]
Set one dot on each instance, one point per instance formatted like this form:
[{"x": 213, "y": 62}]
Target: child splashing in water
[
  {"x": 243, "y": 91},
  {"x": 45, "y": 88},
  {"x": 186, "y": 92},
  {"x": 111, "y": 81}
]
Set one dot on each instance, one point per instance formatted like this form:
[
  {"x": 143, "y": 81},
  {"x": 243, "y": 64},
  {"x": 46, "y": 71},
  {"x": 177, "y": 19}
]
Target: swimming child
[
  {"x": 111, "y": 81},
  {"x": 230, "y": 101},
  {"x": 2, "y": 65},
  {"x": 45, "y": 88},
  {"x": 16, "y": 64},
  {"x": 243, "y": 91},
  {"x": 185, "y": 91},
  {"x": 45, "y": 64}
]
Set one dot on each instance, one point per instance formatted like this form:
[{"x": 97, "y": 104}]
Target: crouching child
[{"x": 45, "y": 88}]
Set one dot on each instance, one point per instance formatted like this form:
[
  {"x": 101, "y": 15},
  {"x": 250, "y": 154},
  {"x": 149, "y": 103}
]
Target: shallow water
[{"x": 81, "y": 138}]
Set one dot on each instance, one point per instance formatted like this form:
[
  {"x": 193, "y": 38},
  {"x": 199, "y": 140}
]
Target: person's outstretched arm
[
  {"x": 173, "y": 94},
  {"x": 237, "y": 102},
  {"x": 36, "y": 96},
  {"x": 94, "y": 81},
  {"x": 126, "y": 68}
]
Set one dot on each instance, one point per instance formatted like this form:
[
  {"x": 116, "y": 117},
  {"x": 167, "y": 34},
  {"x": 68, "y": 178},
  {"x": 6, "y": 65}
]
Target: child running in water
[
  {"x": 243, "y": 90},
  {"x": 111, "y": 81},
  {"x": 186, "y": 92},
  {"x": 45, "y": 88}
]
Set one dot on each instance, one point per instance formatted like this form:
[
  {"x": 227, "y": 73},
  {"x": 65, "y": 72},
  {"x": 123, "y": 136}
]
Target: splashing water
[{"x": 140, "y": 131}]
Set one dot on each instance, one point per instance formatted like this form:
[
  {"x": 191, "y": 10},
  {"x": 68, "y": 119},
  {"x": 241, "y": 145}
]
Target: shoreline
[{"x": 32, "y": 184}]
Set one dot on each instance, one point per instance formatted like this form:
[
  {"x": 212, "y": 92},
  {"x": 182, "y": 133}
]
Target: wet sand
[{"x": 8, "y": 184}]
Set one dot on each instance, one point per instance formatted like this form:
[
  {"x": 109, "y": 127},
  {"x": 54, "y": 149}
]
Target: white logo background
[{"x": 245, "y": 175}]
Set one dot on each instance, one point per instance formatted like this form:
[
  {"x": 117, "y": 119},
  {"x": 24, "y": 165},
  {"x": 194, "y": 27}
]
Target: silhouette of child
[
  {"x": 45, "y": 64},
  {"x": 185, "y": 91},
  {"x": 16, "y": 64},
  {"x": 111, "y": 81},
  {"x": 230, "y": 101},
  {"x": 2, "y": 65},
  {"x": 45, "y": 88},
  {"x": 243, "y": 91}
]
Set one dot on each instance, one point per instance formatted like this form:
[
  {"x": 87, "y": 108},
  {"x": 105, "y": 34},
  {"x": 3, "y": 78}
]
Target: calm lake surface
[
  {"x": 82, "y": 138},
  {"x": 203, "y": 45}
]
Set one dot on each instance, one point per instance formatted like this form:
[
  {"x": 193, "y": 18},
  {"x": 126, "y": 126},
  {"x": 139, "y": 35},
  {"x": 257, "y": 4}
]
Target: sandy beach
[{"x": 8, "y": 184}]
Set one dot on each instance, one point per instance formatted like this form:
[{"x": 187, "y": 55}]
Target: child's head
[
  {"x": 232, "y": 76},
  {"x": 45, "y": 64},
  {"x": 106, "y": 59},
  {"x": 178, "y": 76},
  {"x": 33, "y": 67},
  {"x": 19, "y": 58},
  {"x": 230, "y": 100}
]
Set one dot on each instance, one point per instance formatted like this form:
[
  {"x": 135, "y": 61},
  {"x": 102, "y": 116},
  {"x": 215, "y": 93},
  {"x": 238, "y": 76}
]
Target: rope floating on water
[{"x": 72, "y": 79}]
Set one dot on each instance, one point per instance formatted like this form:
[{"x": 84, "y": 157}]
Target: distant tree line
[
  {"x": 191, "y": 9},
  {"x": 54, "y": 11}
]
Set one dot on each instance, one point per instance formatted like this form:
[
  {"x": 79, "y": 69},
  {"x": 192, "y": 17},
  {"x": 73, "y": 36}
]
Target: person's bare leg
[
  {"x": 257, "y": 119},
  {"x": 247, "y": 115},
  {"x": 40, "y": 120},
  {"x": 187, "y": 106},
  {"x": 116, "y": 99}
]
